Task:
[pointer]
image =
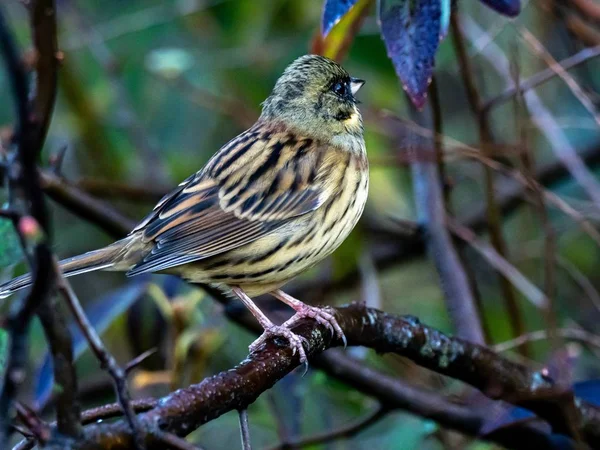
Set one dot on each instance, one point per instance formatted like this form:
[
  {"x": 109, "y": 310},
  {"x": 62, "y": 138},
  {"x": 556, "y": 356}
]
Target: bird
[{"x": 270, "y": 204}]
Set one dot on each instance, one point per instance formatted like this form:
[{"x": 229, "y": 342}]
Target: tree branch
[
  {"x": 431, "y": 212},
  {"x": 31, "y": 222},
  {"x": 186, "y": 409}
]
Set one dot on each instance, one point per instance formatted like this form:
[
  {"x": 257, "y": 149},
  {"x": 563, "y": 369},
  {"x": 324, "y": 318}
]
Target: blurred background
[{"x": 150, "y": 89}]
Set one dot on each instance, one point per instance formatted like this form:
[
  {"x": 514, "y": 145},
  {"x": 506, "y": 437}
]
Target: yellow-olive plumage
[{"x": 271, "y": 203}]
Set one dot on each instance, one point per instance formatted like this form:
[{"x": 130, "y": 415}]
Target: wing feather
[{"x": 253, "y": 186}]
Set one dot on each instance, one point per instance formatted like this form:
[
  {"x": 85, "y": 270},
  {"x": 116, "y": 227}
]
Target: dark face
[
  {"x": 335, "y": 100},
  {"x": 314, "y": 92}
]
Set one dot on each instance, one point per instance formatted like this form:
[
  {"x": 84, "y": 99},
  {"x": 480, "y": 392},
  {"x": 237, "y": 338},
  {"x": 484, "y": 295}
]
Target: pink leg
[
  {"x": 271, "y": 330},
  {"x": 321, "y": 315}
]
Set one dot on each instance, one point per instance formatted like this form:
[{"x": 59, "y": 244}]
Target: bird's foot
[
  {"x": 295, "y": 340},
  {"x": 322, "y": 315}
]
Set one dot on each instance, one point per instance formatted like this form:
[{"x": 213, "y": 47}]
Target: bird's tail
[{"x": 107, "y": 258}]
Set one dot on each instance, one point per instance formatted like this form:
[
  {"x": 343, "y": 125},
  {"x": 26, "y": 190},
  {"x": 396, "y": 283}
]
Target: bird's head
[{"x": 316, "y": 95}]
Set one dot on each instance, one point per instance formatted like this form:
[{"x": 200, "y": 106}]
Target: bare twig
[
  {"x": 588, "y": 34},
  {"x": 573, "y": 334},
  {"x": 344, "y": 432},
  {"x": 541, "y": 77},
  {"x": 245, "y": 429},
  {"x": 139, "y": 359},
  {"x": 557, "y": 68},
  {"x": 542, "y": 117},
  {"x": 86, "y": 206},
  {"x": 107, "y": 361},
  {"x": 36, "y": 426},
  {"x": 113, "y": 190},
  {"x": 526, "y": 287},
  {"x": 580, "y": 280},
  {"x": 486, "y": 138},
  {"x": 115, "y": 410}
]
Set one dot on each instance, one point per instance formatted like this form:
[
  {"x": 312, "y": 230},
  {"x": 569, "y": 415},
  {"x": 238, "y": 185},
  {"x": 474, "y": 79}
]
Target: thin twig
[
  {"x": 574, "y": 334},
  {"x": 245, "y": 429},
  {"x": 587, "y": 33},
  {"x": 542, "y": 117},
  {"x": 485, "y": 139},
  {"x": 109, "y": 189},
  {"x": 343, "y": 432},
  {"x": 107, "y": 361},
  {"x": 115, "y": 410},
  {"x": 541, "y": 77},
  {"x": 39, "y": 429},
  {"x": 138, "y": 360},
  {"x": 580, "y": 280},
  {"x": 556, "y": 67},
  {"x": 86, "y": 206},
  {"x": 526, "y": 287}
]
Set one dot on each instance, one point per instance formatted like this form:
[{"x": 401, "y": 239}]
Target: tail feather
[{"x": 107, "y": 258}]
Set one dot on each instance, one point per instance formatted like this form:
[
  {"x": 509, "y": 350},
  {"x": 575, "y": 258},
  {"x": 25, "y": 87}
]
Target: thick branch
[
  {"x": 26, "y": 198},
  {"x": 186, "y": 409}
]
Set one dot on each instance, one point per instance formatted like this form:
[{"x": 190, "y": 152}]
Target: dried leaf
[{"x": 411, "y": 31}]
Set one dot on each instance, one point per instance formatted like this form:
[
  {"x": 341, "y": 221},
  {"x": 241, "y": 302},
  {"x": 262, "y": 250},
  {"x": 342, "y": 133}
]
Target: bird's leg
[
  {"x": 321, "y": 315},
  {"x": 271, "y": 330}
]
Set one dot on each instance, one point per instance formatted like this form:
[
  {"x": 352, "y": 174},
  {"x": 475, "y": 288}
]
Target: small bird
[{"x": 271, "y": 203}]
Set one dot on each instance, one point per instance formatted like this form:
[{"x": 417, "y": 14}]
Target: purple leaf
[
  {"x": 510, "y": 8},
  {"x": 411, "y": 31},
  {"x": 333, "y": 11}
]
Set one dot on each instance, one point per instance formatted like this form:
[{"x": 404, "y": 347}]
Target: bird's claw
[
  {"x": 323, "y": 316},
  {"x": 296, "y": 342}
]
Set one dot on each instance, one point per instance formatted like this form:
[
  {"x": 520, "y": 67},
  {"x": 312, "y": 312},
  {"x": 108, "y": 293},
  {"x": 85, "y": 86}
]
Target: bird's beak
[{"x": 356, "y": 84}]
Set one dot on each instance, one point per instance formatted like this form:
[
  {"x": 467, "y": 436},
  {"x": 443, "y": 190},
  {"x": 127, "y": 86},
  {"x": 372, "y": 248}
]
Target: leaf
[
  {"x": 336, "y": 43},
  {"x": 411, "y": 31},
  {"x": 10, "y": 247},
  {"x": 445, "y": 19},
  {"x": 588, "y": 391},
  {"x": 333, "y": 11},
  {"x": 101, "y": 313},
  {"x": 510, "y": 8}
]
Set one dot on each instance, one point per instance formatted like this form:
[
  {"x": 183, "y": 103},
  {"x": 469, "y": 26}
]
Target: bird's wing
[{"x": 251, "y": 187}]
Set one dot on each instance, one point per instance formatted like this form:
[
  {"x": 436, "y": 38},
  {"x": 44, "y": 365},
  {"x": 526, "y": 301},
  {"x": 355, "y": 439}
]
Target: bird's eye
[{"x": 340, "y": 88}]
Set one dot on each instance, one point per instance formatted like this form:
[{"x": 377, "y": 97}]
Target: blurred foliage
[
  {"x": 10, "y": 247},
  {"x": 150, "y": 89}
]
